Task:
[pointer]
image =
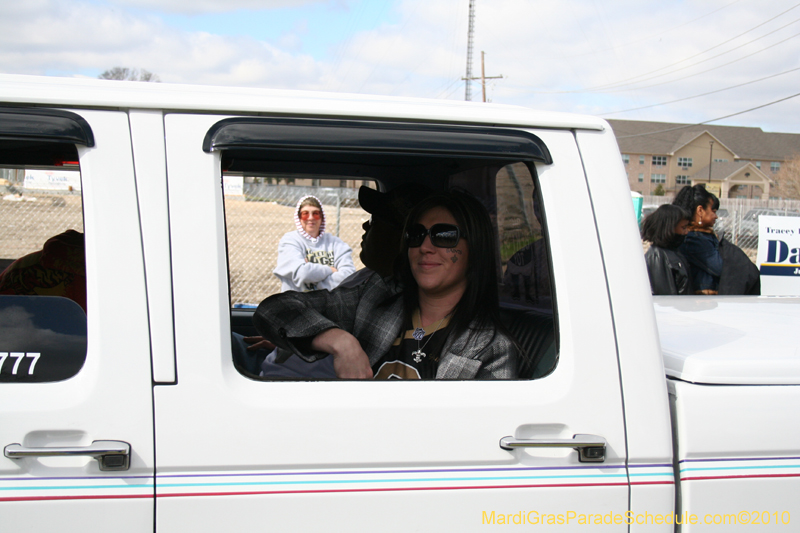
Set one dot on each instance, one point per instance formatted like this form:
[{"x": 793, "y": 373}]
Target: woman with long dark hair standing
[
  {"x": 437, "y": 318},
  {"x": 701, "y": 247}
]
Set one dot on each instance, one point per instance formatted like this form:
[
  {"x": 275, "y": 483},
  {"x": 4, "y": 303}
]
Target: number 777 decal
[{"x": 19, "y": 356}]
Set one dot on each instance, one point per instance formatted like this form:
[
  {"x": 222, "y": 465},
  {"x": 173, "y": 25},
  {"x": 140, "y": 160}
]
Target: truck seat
[{"x": 535, "y": 333}]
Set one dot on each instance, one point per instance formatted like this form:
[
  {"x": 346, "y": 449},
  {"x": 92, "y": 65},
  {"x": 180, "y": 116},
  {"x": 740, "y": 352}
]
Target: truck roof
[
  {"x": 730, "y": 340},
  {"x": 94, "y": 93}
]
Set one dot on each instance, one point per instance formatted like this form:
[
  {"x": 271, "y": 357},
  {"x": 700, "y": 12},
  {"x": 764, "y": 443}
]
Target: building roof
[
  {"x": 667, "y": 137},
  {"x": 722, "y": 171}
]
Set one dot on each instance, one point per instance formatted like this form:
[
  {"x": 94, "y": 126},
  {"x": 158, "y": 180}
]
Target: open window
[
  {"x": 268, "y": 164},
  {"x": 42, "y": 259}
]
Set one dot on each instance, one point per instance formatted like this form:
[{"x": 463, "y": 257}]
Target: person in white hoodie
[{"x": 310, "y": 259}]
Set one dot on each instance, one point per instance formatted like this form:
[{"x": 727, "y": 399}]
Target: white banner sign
[
  {"x": 779, "y": 255},
  {"x": 233, "y": 185},
  {"x": 53, "y": 180}
]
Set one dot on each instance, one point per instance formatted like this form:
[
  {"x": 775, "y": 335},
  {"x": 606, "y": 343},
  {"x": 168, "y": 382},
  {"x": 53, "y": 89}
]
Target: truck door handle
[
  {"x": 111, "y": 454},
  {"x": 591, "y": 448}
]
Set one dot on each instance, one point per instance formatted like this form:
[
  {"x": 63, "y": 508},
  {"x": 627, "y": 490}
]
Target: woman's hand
[{"x": 349, "y": 359}]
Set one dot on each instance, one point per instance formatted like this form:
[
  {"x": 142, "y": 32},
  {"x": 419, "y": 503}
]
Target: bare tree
[
  {"x": 787, "y": 180},
  {"x": 124, "y": 73}
]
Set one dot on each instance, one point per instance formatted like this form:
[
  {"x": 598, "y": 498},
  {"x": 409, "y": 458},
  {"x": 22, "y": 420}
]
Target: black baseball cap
[{"x": 393, "y": 206}]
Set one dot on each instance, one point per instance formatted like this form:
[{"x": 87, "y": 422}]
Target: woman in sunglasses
[
  {"x": 310, "y": 259},
  {"x": 436, "y": 318}
]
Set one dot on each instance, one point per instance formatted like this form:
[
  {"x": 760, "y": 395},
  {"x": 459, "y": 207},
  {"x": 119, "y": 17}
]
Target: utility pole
[
  {"x": 470, "y": 33},
  {"x": 710, "y": 160},
  {"x": 484, "y": 77}
]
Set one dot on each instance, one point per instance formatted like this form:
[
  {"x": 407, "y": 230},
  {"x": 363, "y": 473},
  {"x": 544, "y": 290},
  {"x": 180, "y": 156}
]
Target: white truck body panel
[
  {"x": 717, "y": 340},
  {"x": 111, "y": 397},
  {"x": 439, "y": 439}
]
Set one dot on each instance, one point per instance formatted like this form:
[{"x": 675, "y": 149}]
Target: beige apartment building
[{"x": 733, "y": 162}]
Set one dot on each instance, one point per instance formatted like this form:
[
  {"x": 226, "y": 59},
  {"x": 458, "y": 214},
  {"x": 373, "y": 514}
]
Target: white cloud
[
  {"x": 213, "y": 6},
  {"x": 540, "y": 48}
]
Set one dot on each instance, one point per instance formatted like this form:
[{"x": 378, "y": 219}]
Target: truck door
[
  {"x": 234, "y": 448},
  {"x": 75, "y": 378}
]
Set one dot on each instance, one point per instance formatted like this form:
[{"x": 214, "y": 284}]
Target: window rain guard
[
  {"x": 44, "y": 125},
  {"x": 330, "y": 135}
]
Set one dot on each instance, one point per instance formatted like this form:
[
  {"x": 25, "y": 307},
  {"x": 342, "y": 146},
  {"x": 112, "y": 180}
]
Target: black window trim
[
  {"x": 44, "y": 125},
  {"x": 334, "y": 135}
]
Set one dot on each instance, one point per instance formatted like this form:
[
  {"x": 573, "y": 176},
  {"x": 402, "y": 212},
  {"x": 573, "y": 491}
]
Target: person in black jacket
[
  {"x": 701, "y": 246},
  {"x": 717, "y": 267},
  {"x": 665, "y": 229}
]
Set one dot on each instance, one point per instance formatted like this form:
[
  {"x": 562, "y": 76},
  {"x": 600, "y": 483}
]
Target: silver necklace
[{"x": 419, "y": 334}]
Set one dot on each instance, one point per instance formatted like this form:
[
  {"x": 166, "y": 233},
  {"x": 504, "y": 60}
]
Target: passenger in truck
[
  {"x": 380, "y": 245},
  {"x": 58, "y": 269},
  {"x": 436, "y": 317}
]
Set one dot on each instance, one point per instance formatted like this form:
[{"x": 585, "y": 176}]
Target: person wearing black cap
[{"x": 383, "y": 232}]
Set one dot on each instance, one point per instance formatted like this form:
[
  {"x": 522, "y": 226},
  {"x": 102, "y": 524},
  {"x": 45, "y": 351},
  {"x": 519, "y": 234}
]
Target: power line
[
  {"x": 613, "y": 88},
  {"x": 653, "y": 36},
  {"x": 703, "y": 94},
  {"x": 707, "y": 70},
  {"x": 447, "y": 87},
  {"x": 712, "y": 120},
  {"x": 624, "y": 81}
]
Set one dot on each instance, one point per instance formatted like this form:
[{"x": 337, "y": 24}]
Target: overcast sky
[{"x": 588, "y": 56}]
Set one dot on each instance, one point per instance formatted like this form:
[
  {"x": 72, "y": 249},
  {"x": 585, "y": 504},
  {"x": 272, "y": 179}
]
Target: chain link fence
[
  {"x": 258, "y": 219},
  {"x": 737, "y": 218},
  {"x": 31, "y": 217}
]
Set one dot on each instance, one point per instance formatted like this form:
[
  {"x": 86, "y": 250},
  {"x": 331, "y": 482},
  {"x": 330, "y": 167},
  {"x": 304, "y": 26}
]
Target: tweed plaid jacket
[{"x": 373, "y": 313}]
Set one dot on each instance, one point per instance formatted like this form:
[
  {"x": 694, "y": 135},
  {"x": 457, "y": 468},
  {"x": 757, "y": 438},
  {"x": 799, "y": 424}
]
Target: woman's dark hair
[
  {"x": 659, "y": 226},
  {"x": 692, "y": 196},
  {"x": 480, "y": 301}
]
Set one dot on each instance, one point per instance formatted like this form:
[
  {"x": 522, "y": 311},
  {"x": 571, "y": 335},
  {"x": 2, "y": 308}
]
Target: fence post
[{"x": 338, "y": 212}]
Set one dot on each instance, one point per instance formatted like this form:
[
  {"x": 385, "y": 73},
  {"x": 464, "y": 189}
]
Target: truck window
[
  {"x": 262, "y": 189},
  {"x": 42, "y": 262}
]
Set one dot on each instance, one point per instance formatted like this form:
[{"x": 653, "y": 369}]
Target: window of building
[
  {"x": 658, "y": 178},
  {"x": 682, "y": 180},
  {"x": 685, "y": 162},
  {"x": 659, "y": 160},
  {"x": 774, "y": 166},
  {"x": 641, "y": 177},
  {"x": 720, "y": 161},
  {"x": 758, "y": 165},
  {"x": 626, "y": 159},
  {"x": 641, "y": 160},
  {"x": 265, "y": 215}
]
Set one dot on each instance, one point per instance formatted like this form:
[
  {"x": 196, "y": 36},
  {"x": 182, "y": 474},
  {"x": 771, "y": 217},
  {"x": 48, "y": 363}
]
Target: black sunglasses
[{"x": 442, "y": 235}]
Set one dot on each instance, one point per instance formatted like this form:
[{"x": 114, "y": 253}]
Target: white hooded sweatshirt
[{"x": 304, "y": 262}]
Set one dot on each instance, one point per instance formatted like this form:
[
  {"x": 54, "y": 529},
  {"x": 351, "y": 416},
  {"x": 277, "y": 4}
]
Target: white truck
[{"x": 133, "y": 415}]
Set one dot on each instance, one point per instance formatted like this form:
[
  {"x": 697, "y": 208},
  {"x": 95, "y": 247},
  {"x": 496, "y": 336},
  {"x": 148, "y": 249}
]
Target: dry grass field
[
  {"x": 26, "y": 225},
  {"x": 254, "y": 230}
]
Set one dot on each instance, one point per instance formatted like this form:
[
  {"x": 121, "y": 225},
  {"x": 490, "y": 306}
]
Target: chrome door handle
[
  {"x": 591, "y": 448},
  {"x": 111, "y": 454}
]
